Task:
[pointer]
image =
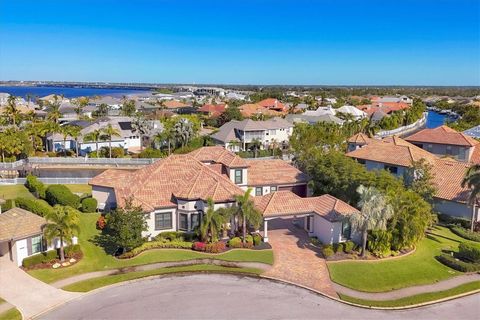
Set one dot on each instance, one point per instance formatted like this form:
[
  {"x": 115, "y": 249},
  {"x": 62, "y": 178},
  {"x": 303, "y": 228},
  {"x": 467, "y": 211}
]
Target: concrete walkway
[
  {"x": 29, "y": 295},
  {"x": 409, "y": 291},
  {"x": 91, "y": 275},
  {"x": 296, "y": 260}
]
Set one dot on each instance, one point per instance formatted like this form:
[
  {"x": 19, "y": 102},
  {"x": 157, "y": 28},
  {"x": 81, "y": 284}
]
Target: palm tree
[
  {"x": 246, "y": 209},
  {"x": 374, "y": 214},
  {"x": 62, "y": 223},
  {"x": 75, "y": 132},
  {"x": 68, "y": 131},
  {"x": 54, "y": 112},
  {"x": 11, "y": 112},
  {"x": 109, "y": 132},
  {"x": 80, "y": 104},
  {"x": 234, "y": 143},
  {"x": 94, "y": 136},
  {"x": 183, "y": 130},
  {"x": 212, "y": 222},
  {"x": 255, "y": 144},
  {"x": 142, "y": 127},
  {"x": 472, "y": 181}
]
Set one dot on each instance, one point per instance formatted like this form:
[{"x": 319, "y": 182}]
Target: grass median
[
  {"x": 20, "y": 191},
  {"x": 11, "y": 314},
  {"x": 416, "y": 299},
  {"x": 87, "y": 285}
]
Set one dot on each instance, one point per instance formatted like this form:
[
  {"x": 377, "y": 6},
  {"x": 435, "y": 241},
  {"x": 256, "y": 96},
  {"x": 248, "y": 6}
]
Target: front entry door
[{"x": 22, "y": 251}]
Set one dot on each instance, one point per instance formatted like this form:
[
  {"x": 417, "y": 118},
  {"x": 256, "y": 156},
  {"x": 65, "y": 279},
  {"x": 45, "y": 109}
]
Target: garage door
[{"x": 300, "y": 190}]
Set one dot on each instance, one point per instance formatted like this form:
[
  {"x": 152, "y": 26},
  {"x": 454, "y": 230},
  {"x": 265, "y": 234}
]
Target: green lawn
[
  {"x": 11, "y": 314},
  {"x": 420, "y": 298},
  {"x": 19, "y": 190},
  {"x": 96, "y": 259},
  {"x": 95, "y": 283},
  {"x": 419, "y": 268}
]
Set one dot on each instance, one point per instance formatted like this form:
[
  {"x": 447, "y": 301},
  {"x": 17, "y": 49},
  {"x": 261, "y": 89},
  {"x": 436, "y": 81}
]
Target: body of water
[
  {"x": 435, "y": 119},
  {"x": 67, "y": 92}
]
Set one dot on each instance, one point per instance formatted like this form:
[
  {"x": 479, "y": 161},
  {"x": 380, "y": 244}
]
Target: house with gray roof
[
  {"x": 240, "y": 135},
  {"x": 311, "y": 119}
]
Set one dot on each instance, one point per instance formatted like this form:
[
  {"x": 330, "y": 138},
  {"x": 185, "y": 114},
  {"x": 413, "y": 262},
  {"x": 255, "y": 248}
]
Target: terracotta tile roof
[
  {"x": 475, "y": 158},
  {"x": 273, "y": 172},
  {"x": 361, "y": 138},
  {"x": 251, "y": 109},
  {"x": 443, "y": 135},
  {"x": 156, "y": 185},
  {"x": 219, "y": 154},
  {"x": 394, "y": 150},
  {"x": 17, "y": 223},
  {"x": 272, "y": 103},
  {"x": 213, "y": 109},
  {"x": 448, "y": 176},
  {"x": 174, "y": 104},
  {"x": 286, "y": 203}
]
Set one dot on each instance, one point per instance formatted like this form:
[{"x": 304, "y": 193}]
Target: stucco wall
[
  {"x": 150, "y": 218},
  {"x": 105, "y": 196},
  {"x": 373, "y": 165},
  {"x": 231, "y": 174},
  {"x": 454, "y": 209}
]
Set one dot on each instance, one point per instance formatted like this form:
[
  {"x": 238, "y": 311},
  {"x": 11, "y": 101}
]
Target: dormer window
[{"x": 238, "y": 176}]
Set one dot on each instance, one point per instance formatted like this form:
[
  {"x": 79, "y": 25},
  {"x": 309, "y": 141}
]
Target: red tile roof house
[
  {"x": 445, "y": 141},
  {"x": 212, "y": 110},
  {"x": 397, "y": 155},
  {"x": 173, "y": 192}
]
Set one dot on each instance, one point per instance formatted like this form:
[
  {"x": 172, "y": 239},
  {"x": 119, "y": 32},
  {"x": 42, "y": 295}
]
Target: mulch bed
[{"x": 77, "y": 256}]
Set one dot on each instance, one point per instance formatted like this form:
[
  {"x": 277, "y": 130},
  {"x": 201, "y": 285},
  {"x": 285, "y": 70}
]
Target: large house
[
  {"x": 447, "y": 142},
  {"x": 239, "y": 135},
  {"x": 174, "y": 192},
  {"x": 397, "y": 155},
  {"x": 21, "y": 235}
]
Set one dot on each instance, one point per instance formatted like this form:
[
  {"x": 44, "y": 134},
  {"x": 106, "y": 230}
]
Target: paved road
[{"x": 235, "y": 297}]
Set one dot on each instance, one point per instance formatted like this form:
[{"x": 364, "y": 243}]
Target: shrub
[
  {"x": 315, "y": 241},
  {"x": 39, "y": 258},
  {"x": 152, "y": 153},
  {"x": 327, "y": 251},
  {"x": 9, "y": 204},
  {"x": 465, "y": 233},
  {"x": 35, "y": 186},
  {"x": 38, "y": 206},
  {"x": 70, "y": 251},
  {"x": 469, "y": 251},
  {"x": 348, "y": 246},
  {"x": 337, "y": 247},
  {"x": 89, "y": 205},
  {"x": 156, "y": 245},
  {"x": 456, "y": 264},
  {"x": 60, "y": 194},
  {"x": 249, "y": 239},
  {"x": 101, "y": 223},
  {"x": 171, "y": 236},
  {"x": 199, "y": 246},
  {"x": 216, "y": 247},
  {"x": 446, "y": 219},
  {"x": 235, "y": 242},
  {"x": 257, "y": 239},
  {"x": 379, "y": 242}
]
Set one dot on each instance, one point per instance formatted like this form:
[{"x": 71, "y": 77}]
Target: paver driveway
[
  {"x": 296, "y": 260},
  {"x": 29, "y": 295}
]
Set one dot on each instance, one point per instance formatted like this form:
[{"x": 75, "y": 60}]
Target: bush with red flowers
[
  {"x": 199, "y": 246},
  {"x": 216, "y": 247},
  {"x": 101, "y": 223}
]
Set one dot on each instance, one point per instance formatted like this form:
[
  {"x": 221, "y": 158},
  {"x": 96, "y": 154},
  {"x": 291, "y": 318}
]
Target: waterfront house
[{"x": 174, "y": 192}]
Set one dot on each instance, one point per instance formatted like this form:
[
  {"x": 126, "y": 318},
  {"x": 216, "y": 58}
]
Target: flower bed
[
  {"x": 50, "y": 259},
  {"x": 161, "y": 244}
]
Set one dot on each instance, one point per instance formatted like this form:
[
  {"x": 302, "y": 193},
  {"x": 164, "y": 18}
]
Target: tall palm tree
[
  {"x": 54, "y": 112},
  {"x": 472, "y": 181},
  {"x": 11, "y": 111},
  {"x": 255, "y": 145},
  {"x": 75, "y": 132},
  {"x": 374, "y": 214},
  {"x": 62, "y": 223},
  {"x": 109, "y": 132},
  {"x": 212, "y": 222},
  {"x": 67, "y": 131},
  {"x": 142, "y": 127},
  {"x": 80, "y": 104},
  {"x": 183, "y": 131},
  {"x": 248, "y": 212},
  {"x": 94, "y": 136}
]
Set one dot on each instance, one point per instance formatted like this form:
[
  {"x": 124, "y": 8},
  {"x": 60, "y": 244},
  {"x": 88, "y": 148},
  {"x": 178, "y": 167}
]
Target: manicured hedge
[
  {"x": 236, "y": 242},
  {"x": 60, "y": 194},
  {"x": 156, "y": 245},
  {"x": 257, "y": 239},
  {"x": 327, "y": 250},
  {"x": 348, "y": 246},
  {"x": 37, "y": 206},
  {"x": 175, "y": 236},
  {"x": 469, "y": 251},
  {"x": 35, "y": 186},
  {"x": 446, "y": 219},
  {"x": 457, "y": 264},
  {"x": 89, "y": 205},
  {"x": 43, "y": 257},
  {"x": 465, "y": 233}
]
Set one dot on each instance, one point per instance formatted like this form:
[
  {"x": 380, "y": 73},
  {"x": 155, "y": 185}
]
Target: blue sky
[{"x": 330, "y": 42}]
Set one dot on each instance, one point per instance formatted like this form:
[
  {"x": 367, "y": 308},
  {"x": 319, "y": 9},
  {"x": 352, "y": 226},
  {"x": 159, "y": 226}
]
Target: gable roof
[
  {"x": 174, "y": 104},
  {"x": 227, "y": 132},
  {"x": 394, "y": 150},
  {"x": 448, "y": 176},
  {"x": 213, "y": 109},
  {"x": 250, "y": 109},
  {"x": 272, "y": 103},
  {"x": 361, "y": 138},
  {"x": 287, "y": 203},
  {"x": 219, "y": 154},
  {"x": 443, "y": 135},
  {"x": 273, "y": 172},
  {"x": 18, "y": 223}
]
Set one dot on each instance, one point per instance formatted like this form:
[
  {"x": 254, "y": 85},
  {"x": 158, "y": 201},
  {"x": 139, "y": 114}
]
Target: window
[
  {"x": 238, "y": 176},
  {"x": 449, "y": 150},
  {"x": 36, "y": 244},
  {"x": 183, "y": 221},
  {"x": 346, "y": 230},
  {"x": 163, "y": 220},
  {"x": 273, "y": 189},
  {"x": 258, "y": 191},
  {"x": 194, "y": 220},
  {"x": 392, "y": 169}
]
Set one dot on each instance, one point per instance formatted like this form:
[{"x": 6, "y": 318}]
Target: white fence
[
  {"x": 11, "y": 165},
  {"x": 77, "y": 161},
  {"x": 46, "y": 181},
  {"x": 416, "y": 125}
]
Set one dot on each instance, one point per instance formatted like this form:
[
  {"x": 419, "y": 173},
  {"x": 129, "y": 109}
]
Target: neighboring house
[
  {"x": 353, "y": 111},
  {"x": 127, "y": 139},
  {"x": 112, "y": 102},
  {"x": 245, "y": 132},
  {"x": 21, "y": 235},
  {"x": 174, "y": 192},
  {"x": 176, "y": 106},
  {"x": 273, "y": 104},
  {"x": 235, "y": 96},
  {"x": 212, "y": 110},
  {"x": 397, "y": 155},
  {"x": 445, "y": 141},
  {"x": 386, "y": 99},
  {"x": 303, "y": 118},
  {"x": 253, "y": 109},
  {"x": 473, "y": 132},
  {"x": 321, "y": 111}
]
